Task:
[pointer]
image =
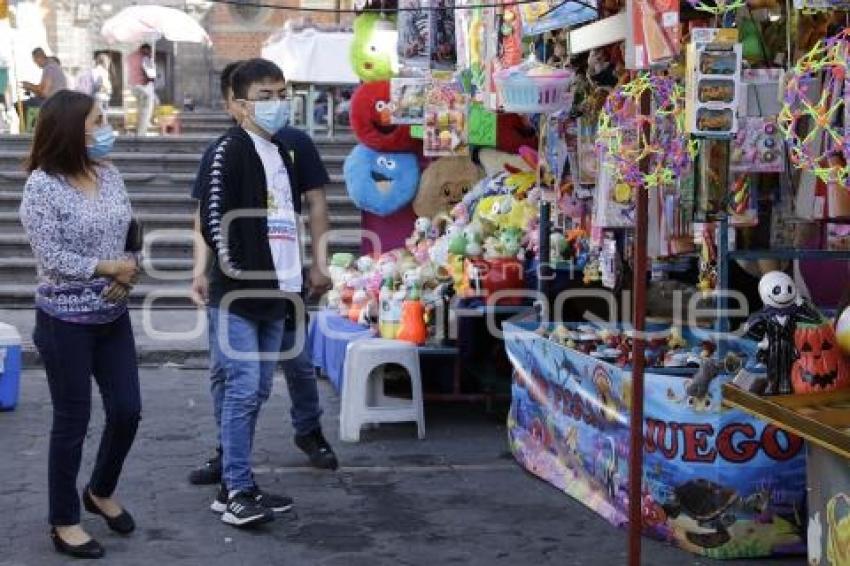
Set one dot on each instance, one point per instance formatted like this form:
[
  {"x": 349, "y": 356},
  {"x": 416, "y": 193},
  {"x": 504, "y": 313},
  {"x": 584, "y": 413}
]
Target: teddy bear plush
[{"x": 444, "y": 184}]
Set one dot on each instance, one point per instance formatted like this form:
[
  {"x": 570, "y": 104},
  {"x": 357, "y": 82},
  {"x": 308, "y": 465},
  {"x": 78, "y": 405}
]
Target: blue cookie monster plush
[{"x": 381, "y": 183}]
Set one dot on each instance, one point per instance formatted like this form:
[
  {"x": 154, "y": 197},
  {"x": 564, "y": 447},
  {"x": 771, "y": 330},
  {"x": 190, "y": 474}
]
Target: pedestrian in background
[
  {"x": 96, "y": 81},
  {"x": 76, "y": 213},
  {"x": 53, "y": 79},
  {"x": 141, "y": 69}
]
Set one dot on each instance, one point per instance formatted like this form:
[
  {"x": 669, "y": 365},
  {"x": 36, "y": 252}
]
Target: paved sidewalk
[{"x": 455, "y": 498}]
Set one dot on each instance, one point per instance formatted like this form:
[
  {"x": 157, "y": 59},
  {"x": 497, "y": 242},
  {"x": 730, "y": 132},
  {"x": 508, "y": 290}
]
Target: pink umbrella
[{"x": 150, "y": 23}]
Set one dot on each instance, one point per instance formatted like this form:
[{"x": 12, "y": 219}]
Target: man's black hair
[
  {"x": 253, "y": 71},
  {"x": 38, "y": 52},
  {"x": 145, "y": 46},
  {"x": 227, "y": 76}
]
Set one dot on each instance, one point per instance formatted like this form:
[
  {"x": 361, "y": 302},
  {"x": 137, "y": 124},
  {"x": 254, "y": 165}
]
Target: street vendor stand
[{"x": 823, "y": 420}]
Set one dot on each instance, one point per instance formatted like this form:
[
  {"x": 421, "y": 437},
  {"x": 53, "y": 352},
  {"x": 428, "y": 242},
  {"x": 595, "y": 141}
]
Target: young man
[
  {"x": 249, "y": 206},
  {"x": 311, "y": 176}
]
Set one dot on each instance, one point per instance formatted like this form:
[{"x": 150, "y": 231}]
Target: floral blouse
[{"x": 70, "y": 232}]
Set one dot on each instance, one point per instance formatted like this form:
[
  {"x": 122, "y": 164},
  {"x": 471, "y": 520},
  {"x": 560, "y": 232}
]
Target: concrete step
[
  {"x": 178, "y": 200},
  {"x": 186, "y": 143},
  {"x": 12, "y": 160},
  {"x": 167, "y": 223},
  {"x": 151, "y": 182}
]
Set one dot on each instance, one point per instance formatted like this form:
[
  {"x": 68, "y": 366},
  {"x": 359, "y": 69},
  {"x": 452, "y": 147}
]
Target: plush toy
[
  {"x": 504, "y": 211},
  {"x": 775, "y": 325},
  {"x": 371, "y": 60},
  {"x": 495, "y": 162},
  {"x": 380, "y": 183},
  {"x": 370, "y": 117},
  {"x": 513, "y": 132},
  {"x": 444, "y": 184}
]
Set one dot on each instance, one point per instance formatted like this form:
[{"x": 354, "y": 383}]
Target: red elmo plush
[
  {"x": 514, "y": 131},
  {"x": 371, "y": 115}
]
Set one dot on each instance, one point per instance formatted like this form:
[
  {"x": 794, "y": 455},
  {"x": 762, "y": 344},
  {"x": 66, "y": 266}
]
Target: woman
[{"x": 76, "y": 213}]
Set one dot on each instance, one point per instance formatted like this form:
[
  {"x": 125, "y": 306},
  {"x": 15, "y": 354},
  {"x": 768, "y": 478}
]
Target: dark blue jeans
[
  {"x": 72, "y": 354},
  {"x": 306, "y": 410}
]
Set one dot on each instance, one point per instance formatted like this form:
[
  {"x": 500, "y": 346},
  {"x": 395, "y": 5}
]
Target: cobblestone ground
[{"x": 455, "y": 498}]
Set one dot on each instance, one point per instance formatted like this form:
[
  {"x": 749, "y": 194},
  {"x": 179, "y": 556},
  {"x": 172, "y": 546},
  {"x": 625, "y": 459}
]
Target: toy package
[
  {"x": 714, "y": 78},
  {"x": 442, "y": 35},
  {"x": 546, "y": 15},
  {"x": 446, "y": 129},
  {"x": 587, "y": 168},
  {"x": 656, "y": 33},
  {"x": 510, "y": 37},
  {"x": 408, "y": 100},
  {"x": 758, "y": 146},
  {"x": 413, "y": 35}
]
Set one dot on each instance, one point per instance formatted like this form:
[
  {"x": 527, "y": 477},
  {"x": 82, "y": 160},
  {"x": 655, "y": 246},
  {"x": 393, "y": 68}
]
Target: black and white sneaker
[
  {"x": 209, "y": 473},
  {"x": 317, "y": 449},
  {"x": 272, "y": 502},
  {"x": 244, "y": 511}
]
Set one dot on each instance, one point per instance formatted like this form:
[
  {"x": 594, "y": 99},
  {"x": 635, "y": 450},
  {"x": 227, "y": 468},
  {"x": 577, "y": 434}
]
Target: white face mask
[{"x": 271, "y": 115}]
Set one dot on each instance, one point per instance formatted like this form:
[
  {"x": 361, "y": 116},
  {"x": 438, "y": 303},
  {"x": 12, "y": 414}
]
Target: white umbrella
[{"x": 150, "y": 23}]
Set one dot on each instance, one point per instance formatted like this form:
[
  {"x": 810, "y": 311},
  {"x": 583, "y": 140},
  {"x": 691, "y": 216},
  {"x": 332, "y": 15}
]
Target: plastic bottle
[{"x": 389, "y": 314}]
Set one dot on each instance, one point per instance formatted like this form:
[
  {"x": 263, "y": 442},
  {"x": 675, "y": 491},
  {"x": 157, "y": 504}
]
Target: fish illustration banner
[{"x": 717, "y": 482}]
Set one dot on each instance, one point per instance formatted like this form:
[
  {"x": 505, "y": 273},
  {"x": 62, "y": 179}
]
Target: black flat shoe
[
  {"x": 122, "y": 524},
  {"x": 91, "y": 550}
]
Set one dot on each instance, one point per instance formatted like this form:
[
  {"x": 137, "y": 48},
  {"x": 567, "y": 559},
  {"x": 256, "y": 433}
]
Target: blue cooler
[{"x": 10, "y": 366}]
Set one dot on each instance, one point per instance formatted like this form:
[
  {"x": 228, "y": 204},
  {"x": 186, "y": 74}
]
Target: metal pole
[
  {"x": 638, "y": 361},
  {"x": 544, "y": 269}
]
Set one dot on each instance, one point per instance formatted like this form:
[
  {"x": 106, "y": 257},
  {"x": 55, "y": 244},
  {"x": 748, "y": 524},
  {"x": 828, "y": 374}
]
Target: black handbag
[{"x": 135, "y": 237}]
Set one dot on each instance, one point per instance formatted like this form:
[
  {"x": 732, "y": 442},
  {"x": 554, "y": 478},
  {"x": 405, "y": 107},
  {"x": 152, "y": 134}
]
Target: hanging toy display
[
  {"x": 823, "y": 149},
  {"x": 624, "y": 144},
  {"x": 717, "y": 7},
  {"x": 775, "y": 328}
]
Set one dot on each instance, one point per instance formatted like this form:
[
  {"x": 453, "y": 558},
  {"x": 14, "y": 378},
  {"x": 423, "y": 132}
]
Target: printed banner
[{"x": 717, "y": 482}]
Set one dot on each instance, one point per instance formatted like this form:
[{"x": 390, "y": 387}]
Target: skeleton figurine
[{"x": 774, "y": 327}]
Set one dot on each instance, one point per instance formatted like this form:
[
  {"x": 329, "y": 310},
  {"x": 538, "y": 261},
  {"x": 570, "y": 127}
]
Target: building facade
[{"x": 237, "y": 31}]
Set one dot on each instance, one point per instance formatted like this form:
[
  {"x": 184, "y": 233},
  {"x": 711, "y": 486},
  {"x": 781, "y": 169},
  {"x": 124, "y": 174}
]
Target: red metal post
[{"x": 638, "y": 361}]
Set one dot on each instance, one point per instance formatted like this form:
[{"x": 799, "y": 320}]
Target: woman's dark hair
[
  {"x": 59, "y": 144},
  {"x": 253, "y": 71}
]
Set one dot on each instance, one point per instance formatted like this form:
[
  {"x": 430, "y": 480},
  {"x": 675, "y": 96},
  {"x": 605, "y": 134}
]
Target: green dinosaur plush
[{"x": 371, "y": 60}]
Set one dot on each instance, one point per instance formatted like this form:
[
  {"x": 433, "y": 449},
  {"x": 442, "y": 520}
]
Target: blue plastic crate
[{"x": 10, "y": 367}]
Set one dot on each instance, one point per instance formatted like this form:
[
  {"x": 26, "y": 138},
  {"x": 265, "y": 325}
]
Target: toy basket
[{"x": 522, "y": 93}]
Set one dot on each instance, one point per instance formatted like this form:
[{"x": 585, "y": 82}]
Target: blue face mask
[
  {"x": 103, "y": 139},
  {"x": 271, "y": 115}
]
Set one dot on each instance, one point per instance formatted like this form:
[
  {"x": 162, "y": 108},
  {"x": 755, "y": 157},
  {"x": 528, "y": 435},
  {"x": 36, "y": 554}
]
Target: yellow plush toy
[{"x": 505, "y": 211}]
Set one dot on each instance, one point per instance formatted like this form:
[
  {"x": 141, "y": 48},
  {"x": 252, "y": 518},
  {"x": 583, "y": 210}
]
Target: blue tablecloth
[{"x": 327, "y": 341}]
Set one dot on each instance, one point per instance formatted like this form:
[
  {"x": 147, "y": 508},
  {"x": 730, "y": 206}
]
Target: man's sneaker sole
[
  {"x": 218, "y": 507},
  {"x": 231, "y": 519}
]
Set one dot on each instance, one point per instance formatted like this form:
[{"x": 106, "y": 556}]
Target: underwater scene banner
[{"x": 717, "y": 482}]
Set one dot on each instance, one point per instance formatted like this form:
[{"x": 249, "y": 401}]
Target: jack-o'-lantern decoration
[{"x": 820, "y": 366}]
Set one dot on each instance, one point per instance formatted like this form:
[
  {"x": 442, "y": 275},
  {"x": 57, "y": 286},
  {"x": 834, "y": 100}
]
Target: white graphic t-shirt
[{"x": 282, "y": 220}]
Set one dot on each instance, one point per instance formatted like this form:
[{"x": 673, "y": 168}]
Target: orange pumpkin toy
[
  {"x": 413, "y": 328},
  {"x": 820, "y": 366}
]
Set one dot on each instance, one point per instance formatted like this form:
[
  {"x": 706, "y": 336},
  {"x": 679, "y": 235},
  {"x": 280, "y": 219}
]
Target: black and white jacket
[{"x": 234, "y": 224}]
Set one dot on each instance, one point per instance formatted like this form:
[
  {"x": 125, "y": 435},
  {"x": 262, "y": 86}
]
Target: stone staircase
[{"x": 159, "y": 172}]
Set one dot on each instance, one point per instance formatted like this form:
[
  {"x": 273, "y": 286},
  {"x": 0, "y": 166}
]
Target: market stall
[{"x": 624, "y": 161}]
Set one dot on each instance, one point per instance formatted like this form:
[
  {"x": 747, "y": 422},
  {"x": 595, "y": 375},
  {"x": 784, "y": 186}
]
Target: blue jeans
[
  {"x": 306, "y": 411},
  {"x": 247, "y": 385}
]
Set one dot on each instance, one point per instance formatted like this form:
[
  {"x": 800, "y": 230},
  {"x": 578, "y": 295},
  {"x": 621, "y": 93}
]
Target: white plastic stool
[{"x": 363, "y": 399}]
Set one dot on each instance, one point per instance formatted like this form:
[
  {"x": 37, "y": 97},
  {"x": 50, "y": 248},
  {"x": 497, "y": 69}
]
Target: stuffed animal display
[
  {"x": 371, "y": 60},
  {"x": 371, "y": 120},
  {"x": 381, "y": 183},
  {"x": 444, "y": 184}
]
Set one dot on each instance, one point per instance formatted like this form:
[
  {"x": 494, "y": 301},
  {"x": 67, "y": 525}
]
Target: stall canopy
[{"x": 313, "y": 56}]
